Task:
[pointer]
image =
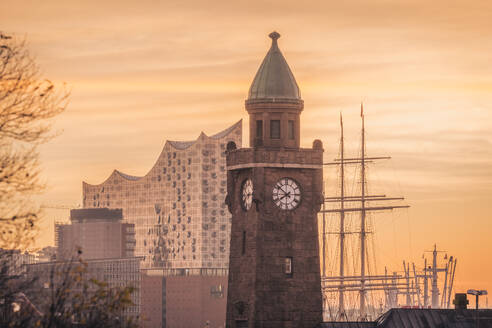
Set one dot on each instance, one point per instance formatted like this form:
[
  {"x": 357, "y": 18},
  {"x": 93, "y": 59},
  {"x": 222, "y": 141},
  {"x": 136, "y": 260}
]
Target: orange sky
[{"x": 145, "y": 71}]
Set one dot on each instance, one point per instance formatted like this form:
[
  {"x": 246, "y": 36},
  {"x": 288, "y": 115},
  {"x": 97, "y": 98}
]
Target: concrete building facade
[
  {"x": 183, "y": 298},
  {"x": 116, "y": 272},
  {"x": 14, "y": 262},
  {"x": 98, "y": 233}
]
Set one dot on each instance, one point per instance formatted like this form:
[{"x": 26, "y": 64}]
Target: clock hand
[{"x": 286, "y": 195}]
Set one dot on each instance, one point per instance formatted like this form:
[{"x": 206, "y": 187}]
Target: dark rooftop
[
  {"x": 274, "y": 79},
  {"x": 96, "y": 214},
  {"x": 422, "y": 318},
  {"x": 348, "y": 324}
]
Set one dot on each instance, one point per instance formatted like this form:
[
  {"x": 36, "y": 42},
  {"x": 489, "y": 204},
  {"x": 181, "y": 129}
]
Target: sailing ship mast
[
  {"x": 392, "y": 285},
  {"x": 362, "y": 296},
  {"x": 363, "y": 209},
  {"x": 341, "y": 308}
]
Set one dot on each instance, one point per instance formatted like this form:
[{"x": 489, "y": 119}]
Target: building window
[
  {"x": 259, "y": 129},
  {"x": 242, "y": 323},
  {"x": 274, "y": 129},
  {"x": 217, "y": 291},
  {"x": 291, "y": 130},
  {"x": 288, "y": 266},
  {"x": 244, "y": 243}
]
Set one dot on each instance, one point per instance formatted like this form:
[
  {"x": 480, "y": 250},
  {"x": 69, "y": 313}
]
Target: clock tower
[{"x": 274, "y": 194}]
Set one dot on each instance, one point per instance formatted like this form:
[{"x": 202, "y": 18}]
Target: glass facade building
[{"x": 178, "y": 209}]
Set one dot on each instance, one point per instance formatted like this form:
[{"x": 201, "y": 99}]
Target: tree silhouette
[
  {"x": 71, "y": 298},
  {"x": 27, "y": 103}
]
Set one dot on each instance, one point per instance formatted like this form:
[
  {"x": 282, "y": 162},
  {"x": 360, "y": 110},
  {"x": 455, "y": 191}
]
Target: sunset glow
[{"x": 143, "y": 72}]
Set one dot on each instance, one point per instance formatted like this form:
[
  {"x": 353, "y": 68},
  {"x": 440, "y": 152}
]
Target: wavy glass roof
[
  {"x": 178, "y": 205},
  {"x": 178, "y": 145}
]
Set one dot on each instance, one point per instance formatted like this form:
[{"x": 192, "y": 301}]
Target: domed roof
[{"x": 274, "y": 79}]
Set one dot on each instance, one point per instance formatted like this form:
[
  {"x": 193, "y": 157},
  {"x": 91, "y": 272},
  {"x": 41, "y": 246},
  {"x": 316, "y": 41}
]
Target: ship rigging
[{"x": 336, "y": 287}]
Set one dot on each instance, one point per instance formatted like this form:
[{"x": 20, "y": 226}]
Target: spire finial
[{"x": 274, "y": 36}]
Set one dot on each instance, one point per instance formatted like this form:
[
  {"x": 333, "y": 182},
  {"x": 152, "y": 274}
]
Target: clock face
[
  {"x": 247, "y": 194},
  {"x": 286, "y": 194}
]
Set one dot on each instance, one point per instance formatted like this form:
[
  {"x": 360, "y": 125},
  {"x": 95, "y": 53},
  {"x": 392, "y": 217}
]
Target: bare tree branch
[{"x": 28, "y": 102}]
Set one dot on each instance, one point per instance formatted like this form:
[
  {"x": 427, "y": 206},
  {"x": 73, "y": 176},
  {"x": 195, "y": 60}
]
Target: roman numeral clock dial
[
  {"x": 286, "y": 194},
  {"x": 247, "y": 194}
]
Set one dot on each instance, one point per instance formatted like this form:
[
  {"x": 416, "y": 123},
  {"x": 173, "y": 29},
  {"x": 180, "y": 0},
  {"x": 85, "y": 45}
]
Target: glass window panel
[
  {"x": 259, "y": 129},
  {"x": 275, "y": 129},
  {"x": 288, "y": 265},
  {"x": 291, "y": 130}
]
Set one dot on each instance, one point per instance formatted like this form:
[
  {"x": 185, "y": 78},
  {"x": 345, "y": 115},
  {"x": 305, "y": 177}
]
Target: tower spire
[
  {"x": 274, "y": 36},
  {"x": 274, "y": 80},
  {"x": 274, "y": 102}
]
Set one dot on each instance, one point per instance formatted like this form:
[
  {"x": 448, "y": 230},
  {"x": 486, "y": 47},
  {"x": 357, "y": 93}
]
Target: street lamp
[{"x": 477, "y": 293}]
